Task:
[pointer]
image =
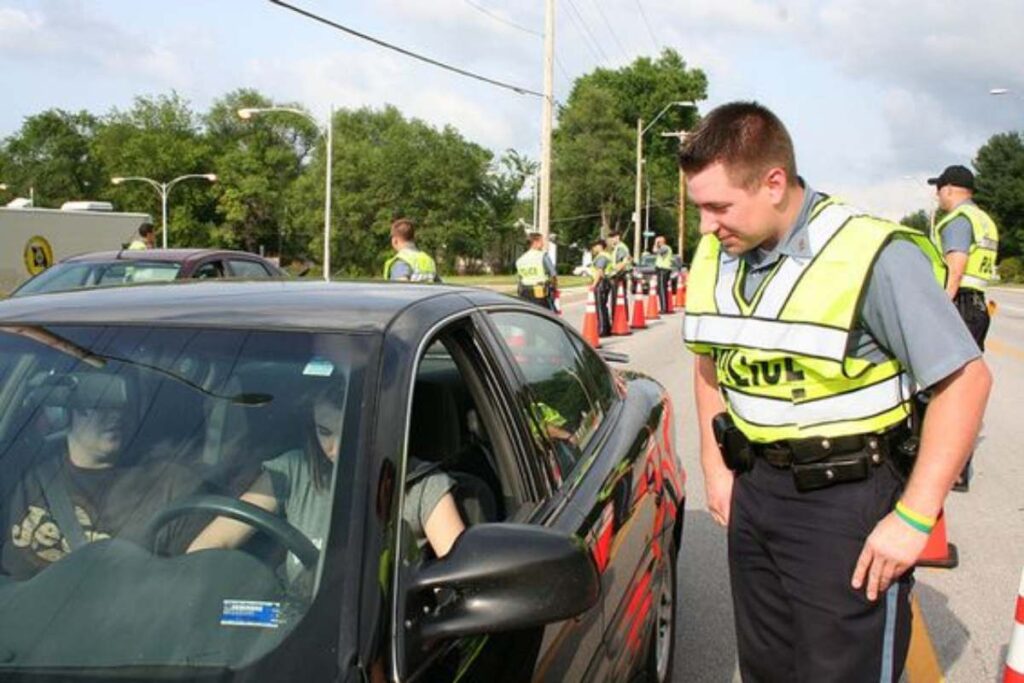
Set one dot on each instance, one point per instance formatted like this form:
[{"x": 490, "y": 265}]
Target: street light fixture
[
  {"x": 327, "y": 131},
  {"x": 164, "y": 190},
  {"x": 640, "y": 130}
]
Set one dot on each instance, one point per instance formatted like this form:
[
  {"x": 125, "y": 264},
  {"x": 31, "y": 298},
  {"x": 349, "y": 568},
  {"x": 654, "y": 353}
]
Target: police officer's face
[{"x": 741, "y": 218}]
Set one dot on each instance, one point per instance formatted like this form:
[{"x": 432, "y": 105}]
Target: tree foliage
[{"x": 1000, "y": 181}]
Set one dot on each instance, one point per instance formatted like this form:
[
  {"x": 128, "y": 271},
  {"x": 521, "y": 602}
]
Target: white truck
[{"x": 33, "y": 239}]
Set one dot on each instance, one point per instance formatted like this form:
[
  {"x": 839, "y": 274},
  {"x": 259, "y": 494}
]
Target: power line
[
  {"x": 608, "y": 25},
  {"x": 585, "y": 32},
  {"x": 643, "y": 15},
  {"x": 654, "y": 205},
  {"x": 503, "y": 20},
  {"x": 408, "y": 53}
]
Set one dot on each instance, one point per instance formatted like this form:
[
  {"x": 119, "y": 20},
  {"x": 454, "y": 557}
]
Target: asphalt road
[{"x": 968, "y": 610}]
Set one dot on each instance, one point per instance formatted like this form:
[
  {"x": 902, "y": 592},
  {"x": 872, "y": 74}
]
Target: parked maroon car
[{"x": 114, "y": 268}]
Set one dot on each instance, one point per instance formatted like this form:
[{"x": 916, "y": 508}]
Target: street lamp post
[
  {"x": 164, "y": 190},
  {"x": 640, "y": 130},
  {"x": 327, "y": 132}
]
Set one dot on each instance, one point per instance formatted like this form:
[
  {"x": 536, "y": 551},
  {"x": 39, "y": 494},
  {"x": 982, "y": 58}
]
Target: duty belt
[{"x": 878, "y": 447}]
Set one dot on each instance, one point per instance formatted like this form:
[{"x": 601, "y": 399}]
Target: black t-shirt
[{"x": 115, "y": 501}]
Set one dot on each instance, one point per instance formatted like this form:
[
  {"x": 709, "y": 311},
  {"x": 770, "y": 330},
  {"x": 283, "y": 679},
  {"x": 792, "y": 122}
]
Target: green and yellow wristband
[{"x": 915, "y": 519}]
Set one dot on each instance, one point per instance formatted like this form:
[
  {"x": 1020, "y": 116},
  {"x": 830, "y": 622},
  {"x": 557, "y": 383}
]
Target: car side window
[
  {"x": 247, "y": 269},
  {"x": 598, "y": 375},
  {"x": 210, "y": 269},
  {"x": 561, "y": 408}
]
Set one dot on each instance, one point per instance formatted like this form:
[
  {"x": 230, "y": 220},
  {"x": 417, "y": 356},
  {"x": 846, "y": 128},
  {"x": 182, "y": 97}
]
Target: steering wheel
[{"x": 272, "y": 525}]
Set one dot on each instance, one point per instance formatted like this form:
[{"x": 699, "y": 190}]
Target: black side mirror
[{"x": 500, "y": 577}]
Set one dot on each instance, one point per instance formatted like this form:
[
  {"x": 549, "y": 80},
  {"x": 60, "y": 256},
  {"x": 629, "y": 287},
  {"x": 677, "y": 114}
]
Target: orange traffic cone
[
  {"x": 556, "y": 297},
  {"x": 681, "y": 294},
  {"x": 652, "y": 300},
  {"x": 590, "y": 333},
  {"x": 1015, "y": 652},
  {"x": 939, "y": 552},
  {"x": 670, "y": 299},
  {"x": 620, "y": 321},
  {"x": 639, "y": 321}
]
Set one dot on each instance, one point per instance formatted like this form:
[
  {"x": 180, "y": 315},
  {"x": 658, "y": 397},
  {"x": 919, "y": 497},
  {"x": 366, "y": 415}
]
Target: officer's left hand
[{"x": 891, "y": 549}]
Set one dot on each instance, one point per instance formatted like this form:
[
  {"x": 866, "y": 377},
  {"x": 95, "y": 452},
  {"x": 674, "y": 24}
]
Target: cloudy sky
[{"x": 878, "y": 94}]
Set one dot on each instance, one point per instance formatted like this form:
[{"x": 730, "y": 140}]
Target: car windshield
[
  {"x": 118, "y": 443},
  {"x": 65, "y": 276}
]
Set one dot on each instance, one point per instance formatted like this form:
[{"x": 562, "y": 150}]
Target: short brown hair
[
  {"x": 404, "y": 230},
  {"x": 745, "y": 137}
]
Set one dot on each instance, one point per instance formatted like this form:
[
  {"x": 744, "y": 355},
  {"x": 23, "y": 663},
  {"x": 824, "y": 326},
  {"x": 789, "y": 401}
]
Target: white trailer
[{"x": 32, "y": 240}]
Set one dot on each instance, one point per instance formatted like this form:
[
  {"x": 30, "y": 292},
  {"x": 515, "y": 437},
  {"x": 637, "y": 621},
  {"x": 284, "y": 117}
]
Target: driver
[
  {"x": 80, "y": 490},
  {"x": 296, "y": 484}
]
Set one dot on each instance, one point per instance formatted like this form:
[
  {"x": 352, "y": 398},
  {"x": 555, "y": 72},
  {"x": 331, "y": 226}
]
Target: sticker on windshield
[
  {"x": 319, "y": 367},
  {"x": 251, "y": 613}
]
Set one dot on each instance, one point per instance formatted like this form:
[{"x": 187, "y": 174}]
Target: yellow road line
[
  {"x": 922, "y": 662},
  {"x": 1004, "y": 349}
]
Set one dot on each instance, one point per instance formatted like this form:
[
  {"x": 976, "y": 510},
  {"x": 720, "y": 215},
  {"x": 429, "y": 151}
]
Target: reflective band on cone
[
  {"x": 653, "y": 304},
  {"x": 639, "y": 321},
  {"x": 590, "y": 332},
  {"x": 1015, "y": 652},
  {"x": 620, "y": 322}
]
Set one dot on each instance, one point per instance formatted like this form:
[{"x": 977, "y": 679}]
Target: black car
[
  {"x": 142, "y": 266},
  {"x": 332, "y": 421}
]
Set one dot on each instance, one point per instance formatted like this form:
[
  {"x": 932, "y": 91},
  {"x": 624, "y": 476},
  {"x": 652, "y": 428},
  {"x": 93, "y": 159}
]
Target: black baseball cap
[{"x": 959, "y": 176}]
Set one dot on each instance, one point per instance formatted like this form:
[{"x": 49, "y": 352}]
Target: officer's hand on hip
[
  {"x": 891, "y": 549},
  {"x": 718, "y": 491}
]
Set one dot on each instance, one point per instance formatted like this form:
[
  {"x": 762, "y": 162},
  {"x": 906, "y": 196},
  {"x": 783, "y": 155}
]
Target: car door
[
  {"x": 613, "y": 482},
  {"x": 498, "y": 438}
]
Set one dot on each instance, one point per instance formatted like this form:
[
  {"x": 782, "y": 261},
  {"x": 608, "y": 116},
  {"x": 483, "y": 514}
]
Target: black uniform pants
[
  {"x": 973, "y": 309},
  {"x": 664, "y": 288},
  {"x": 791, "y": 559},
  {"x": 604, "y": 295},
  {"x": 547, "y": 301}
]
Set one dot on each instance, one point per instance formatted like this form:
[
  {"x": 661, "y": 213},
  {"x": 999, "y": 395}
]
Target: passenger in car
[
  {"x": 81, "y": 489},
  {"x": 296, "y": 484}
]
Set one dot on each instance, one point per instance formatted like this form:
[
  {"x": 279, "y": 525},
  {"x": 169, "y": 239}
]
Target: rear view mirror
[{"x": 500, "y": 577}]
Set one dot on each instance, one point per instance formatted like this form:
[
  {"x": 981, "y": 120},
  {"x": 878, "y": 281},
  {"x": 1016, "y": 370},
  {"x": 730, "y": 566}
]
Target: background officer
[
  {"x": 146, "y": 238},
  {"x": 811, "y": 322},
  {"x": 969, "y": 242},
  {"x": 621, "y": 267},
  {"x": 537, "y": 275},
  {"x": 663, "y": 268},
  {"x": 600, "y": 267},
  {"x": 408, "y": 263}
]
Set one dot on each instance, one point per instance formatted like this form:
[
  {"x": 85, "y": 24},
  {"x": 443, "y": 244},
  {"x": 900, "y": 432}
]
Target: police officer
[
  {"x": 600, "y": 267},
  {"x": 408, "y": 263},
  {"x": 663, "y": 268},
  {"x": 811, "y": 321},
  {"x": 621, "y": 268},
  {"x": 969, "y": 242},
  {"x": 537, "y": 275},
  {"x": 146, "y": 238}
]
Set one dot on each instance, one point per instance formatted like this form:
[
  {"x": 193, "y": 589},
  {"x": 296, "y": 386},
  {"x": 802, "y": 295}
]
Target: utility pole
[
  {"x": 544, "y": 213},
  {"x": 681, "y": 135},
  {"x": 639, "y": 187}
]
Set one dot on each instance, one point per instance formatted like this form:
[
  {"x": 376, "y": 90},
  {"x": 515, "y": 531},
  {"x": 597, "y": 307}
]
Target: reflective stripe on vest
[
  {"x": 781, "y": 356},
  {"x": 981, "y": 255},
  {"x": 530, "y": 268},
  {"x": 422, "y": 265}
]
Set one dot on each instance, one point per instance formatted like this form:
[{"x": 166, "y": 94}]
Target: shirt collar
[{"x": 795, "y": 243}]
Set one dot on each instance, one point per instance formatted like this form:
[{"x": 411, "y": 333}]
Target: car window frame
[
  {"x": 216, "y": 262},
  {"x": 231, "y": 260}
]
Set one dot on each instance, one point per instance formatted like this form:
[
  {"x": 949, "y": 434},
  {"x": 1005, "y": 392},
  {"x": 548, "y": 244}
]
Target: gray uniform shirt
[
  {"x": 549, "y": 266},
  {"x": 601, "y": 262},
  {"x": 957, "y": 235},
  {"x": 400, "y": 270},
  {"x": 308, "y": 508},
  {"x": 905, "y": 313}
]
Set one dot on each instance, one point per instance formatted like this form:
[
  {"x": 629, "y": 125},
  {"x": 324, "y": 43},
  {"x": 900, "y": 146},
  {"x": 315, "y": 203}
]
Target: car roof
[
  {"x": 331, "y": 306},
  {"x": 168, "y": 255}
]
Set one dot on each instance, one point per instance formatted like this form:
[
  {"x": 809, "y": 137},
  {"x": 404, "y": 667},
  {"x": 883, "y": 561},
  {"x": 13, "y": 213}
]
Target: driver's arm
[{"x": 224, "y": 532}]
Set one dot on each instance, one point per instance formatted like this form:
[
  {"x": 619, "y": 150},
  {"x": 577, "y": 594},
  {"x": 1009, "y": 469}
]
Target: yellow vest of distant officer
[
  {"x": 782, "y": 358},
  {"x": 981, "y": 258},
  {"x": 422, "y": 265},
  {"x": 530, "y": 268}
]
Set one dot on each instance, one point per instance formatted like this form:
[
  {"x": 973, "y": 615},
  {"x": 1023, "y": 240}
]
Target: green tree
[
  {"x": 918, "y": 220},
  {"x": 596, "y": 136},
  {"x": 161, "y": 138},
  {"x": 51, "y": 156},
  {"x": 1000, "y": 181}
]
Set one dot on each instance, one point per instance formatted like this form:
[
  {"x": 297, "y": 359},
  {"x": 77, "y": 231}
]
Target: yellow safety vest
[
  {"x": 137, "y": 244},
  {"x": 619, "y": 254},
  {"x": 423, "y": 267},
  {"x": 664, "y": 259},
  {"x": 981, "y": 256},
  {"x": 781, "y": 358},
  {"x": 530, "y": 267}
]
